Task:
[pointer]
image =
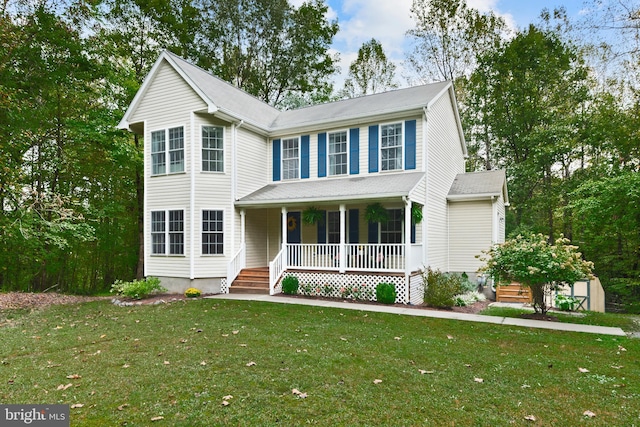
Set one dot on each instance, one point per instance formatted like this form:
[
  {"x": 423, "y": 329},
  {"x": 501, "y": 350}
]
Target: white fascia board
[
  {"x": 472, "y": 197},
  {"x": 454, "y": 103},
  {"x": 308, "y": 200}
]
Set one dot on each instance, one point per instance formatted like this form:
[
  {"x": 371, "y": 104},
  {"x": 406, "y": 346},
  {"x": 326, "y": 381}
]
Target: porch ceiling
[{"x": 374, "y": 187}]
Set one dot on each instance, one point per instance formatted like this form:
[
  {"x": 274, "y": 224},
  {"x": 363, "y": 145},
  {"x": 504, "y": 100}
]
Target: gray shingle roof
[
  {"x": 335, "y": 189},
  {"x": 485, "y": 183}
]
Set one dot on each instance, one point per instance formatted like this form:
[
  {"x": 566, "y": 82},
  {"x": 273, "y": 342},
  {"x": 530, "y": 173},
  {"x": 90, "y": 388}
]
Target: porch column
[
  {"x": 407, "y": 237},
  {"x": 243, "y": 228},
  {"x": 343, "y": 238},
  {"x": 284, "y": 237}
]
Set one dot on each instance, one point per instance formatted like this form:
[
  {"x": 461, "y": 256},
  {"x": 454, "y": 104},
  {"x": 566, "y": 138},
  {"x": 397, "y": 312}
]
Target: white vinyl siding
[
  {"x": 213, "y": 148},
  {"x": 445, "y": 161},
  {"x": 337, "y": 153},
  {"x": 470, "y": 232}
]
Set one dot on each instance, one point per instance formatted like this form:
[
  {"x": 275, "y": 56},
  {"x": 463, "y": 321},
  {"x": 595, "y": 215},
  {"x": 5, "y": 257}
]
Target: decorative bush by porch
[
  {"x": 192, "y": 293},
  {"x": 137, "y": 289},
  {"x": 386, "y": 293},
  {"x": 290, "y": 285},
  {"x": 441, "y": 288}
]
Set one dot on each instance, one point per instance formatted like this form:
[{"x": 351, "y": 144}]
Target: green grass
[
  {"x": 627, "y": 322},
  {"x": 333, "y": 355}
]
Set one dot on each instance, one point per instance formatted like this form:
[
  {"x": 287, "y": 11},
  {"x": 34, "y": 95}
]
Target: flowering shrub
[
  {"x": 192, "y": 293},
  {"x": 333, "y": 290},
  {"x": 531, "y": 261},
  {"x": 468, "y": 298},
  {"x": 137, "y": 289}
]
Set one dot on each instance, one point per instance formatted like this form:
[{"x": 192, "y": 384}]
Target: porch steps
[
  {"x": 251, "y": 281},
  {"x": 513, "y": 293}
]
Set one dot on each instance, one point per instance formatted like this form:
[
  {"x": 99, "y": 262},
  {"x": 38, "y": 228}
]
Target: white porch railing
[
  {"x": 276, "y": 268},
  {"x": 237, "y": 263},
  {"x": 359, "y": 257}
]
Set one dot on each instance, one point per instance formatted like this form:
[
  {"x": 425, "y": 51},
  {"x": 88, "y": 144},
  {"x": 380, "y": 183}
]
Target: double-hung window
[
  {"x": 167, "y": 232},
  {"x": 212, "y": 232},
  {"x": 338, "y": 153},
  {"x": 174, "y": 150},
  {"x": 391, "y": 146},
  {"x": 391, "y": 230},
  {"x": 213, "y": 148},
  {"x": 333, "y": 227},
  {"x": 290, "y": 158}
]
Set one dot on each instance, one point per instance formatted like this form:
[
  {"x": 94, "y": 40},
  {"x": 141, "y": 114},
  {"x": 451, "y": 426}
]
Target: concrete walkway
[{"x": 409, "y": 311}]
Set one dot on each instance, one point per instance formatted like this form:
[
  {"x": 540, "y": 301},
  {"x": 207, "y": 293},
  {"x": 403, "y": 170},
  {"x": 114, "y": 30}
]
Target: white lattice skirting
[
  {"x": 224, "y": 288},
  {"x": 356, "y": 286}
]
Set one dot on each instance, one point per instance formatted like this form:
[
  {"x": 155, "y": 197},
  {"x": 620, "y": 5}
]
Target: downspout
[{"x": 192, "y": 199}]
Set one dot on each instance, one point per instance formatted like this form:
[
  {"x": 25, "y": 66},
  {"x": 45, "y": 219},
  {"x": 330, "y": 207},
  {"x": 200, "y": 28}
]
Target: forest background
[{"x": 556, "y": 104}]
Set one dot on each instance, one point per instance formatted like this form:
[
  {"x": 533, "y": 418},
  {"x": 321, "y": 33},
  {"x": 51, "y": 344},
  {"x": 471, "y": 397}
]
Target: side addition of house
[{"x": 354, "y": 192}]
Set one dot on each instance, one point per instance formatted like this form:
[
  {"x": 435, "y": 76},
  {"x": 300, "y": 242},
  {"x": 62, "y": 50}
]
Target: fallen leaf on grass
[
  {"x": 588, "y": 414},
  {"x": 73, "y": 377},
  {"x": 121, "y": 407},
  {"x": 621, "y": 348},
  {"x": 583, "y": 370},
  {"x": 298, "y": 393},
  {"x": 227, "y": 397},
  {"x": 225, "y": 335},
  {"x": 530, "y": 418},
  {"x": 343, "y": 338},
  {"x": 203, "y": 363},
  {"x": 125, "y": 366},
  {"x": 157, "y": 418},
  {"x": 617, "y": 366},
  {"x": 166, "y": 362},
  {"x": 183, "y": 340},
  {"x": 377, "y": 381},
  {"x": 422, "y": 371},
  {"x": 478, "y": 380},
  {"x": 449, "y": 337},
  {"x": 235, "y": 332},
  {"x": 251, "y": 364},
  {"x": 397, "y": 338},
  {"x": 525, "y": 386},
  {"x": 225, "y": 403},
  {"x": 467, "y": 365},
  {"x": 77, "y": 405},
  {"x": 103, "y": 335},
  {"x": 243, "y": 345},
  {"x": 64, "y": 387}
]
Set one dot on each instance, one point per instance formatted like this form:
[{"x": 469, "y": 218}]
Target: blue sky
[{"x": 388, "y": 21}]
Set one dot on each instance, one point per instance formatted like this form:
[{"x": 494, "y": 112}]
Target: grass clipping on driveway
[{"x": 210, "y": 362}]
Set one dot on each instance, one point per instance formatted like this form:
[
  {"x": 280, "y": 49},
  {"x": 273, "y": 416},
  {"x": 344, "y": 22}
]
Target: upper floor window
[
  {"x": 338, "y": 153},
  {"x": 212, "y": 232},
  {"x": 167, "y": 232},
  {"x": 290, "y": 158},
  {"x": 160, "y": 150},
  {"x": 213, "y": 148},
  {"x": 391, "y": 146}
]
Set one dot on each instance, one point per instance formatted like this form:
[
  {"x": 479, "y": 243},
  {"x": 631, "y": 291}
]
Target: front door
[{"x": 293, "y": 228}]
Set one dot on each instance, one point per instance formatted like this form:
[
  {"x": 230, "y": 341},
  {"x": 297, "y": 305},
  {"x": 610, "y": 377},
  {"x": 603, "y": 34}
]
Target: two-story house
[{"x": 233, "y": 184}]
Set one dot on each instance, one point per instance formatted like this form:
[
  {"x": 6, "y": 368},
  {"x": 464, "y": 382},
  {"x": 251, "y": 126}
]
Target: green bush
[
  {"x": 192, "y": 293},
  {"x": 386, "y": 293},
  {"x": 290, "y": 285},
  {"x": 566, "y": 303},
  {"x": 137, "y": 289},
  {"x": 441, "y": 289}
]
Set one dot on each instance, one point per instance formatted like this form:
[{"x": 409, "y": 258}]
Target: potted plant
[
  {"x": 312, "y": 215},
  {"x": 375, "y": 212}
]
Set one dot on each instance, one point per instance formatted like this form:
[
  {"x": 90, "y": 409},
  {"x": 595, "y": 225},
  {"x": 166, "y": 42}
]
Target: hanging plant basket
[
  {"x": 312, "y": 215},
  {"x": 376, "y": 213},
  {"x": 416, "y": 213}
]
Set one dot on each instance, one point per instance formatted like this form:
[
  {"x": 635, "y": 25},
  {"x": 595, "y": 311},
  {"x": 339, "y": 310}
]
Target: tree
[
  {"x": 531, "y": 261},
  {"x": 371, "y": 73},
  {"x": 449, "y": 36}
]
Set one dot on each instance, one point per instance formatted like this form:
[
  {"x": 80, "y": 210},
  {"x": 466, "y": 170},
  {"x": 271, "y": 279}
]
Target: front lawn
[{"x": 280, "y": 364}]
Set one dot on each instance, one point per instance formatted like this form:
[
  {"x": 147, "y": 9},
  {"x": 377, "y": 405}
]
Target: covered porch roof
[{"x": 353, "y": 188}]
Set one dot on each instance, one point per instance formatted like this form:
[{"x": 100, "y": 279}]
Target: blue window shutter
[
  {"x": 410, "y": 144},
  {"x": 322, "y": 228},
  {"x": 304, "y": 157},
  {"x": 322, "y": 154},
  {"x": 413, "y": 232},
  {"x": 373, "y": 149},
  {"x": 354, "y": 151},
  {"x": 373, "y": 232},
  {"x": 276, "y": 160},
  {"x": 354, "y": 227}
]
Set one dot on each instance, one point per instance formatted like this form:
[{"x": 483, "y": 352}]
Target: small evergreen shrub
[
  {"x": 137, "y": 289},
  {"x": 386, "y": 293},
  {"x": 290, "y": 285},
  {"x": 441, "y": 289},
  {"x": 192, "y": 293}
]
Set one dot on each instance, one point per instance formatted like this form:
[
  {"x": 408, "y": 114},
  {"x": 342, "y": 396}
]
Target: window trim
[
  {"x": 298, "y": 138},
  {"x": 401, "y": 231},
  {"x": 167, "y": 150},
  {"x": 167, "y": 233},
  {"x": 402, "y": 146},
  {"x": 202, "y": 232},
  {"x": 202, "y": 148},
  {"x": 346, "y": 152}
]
